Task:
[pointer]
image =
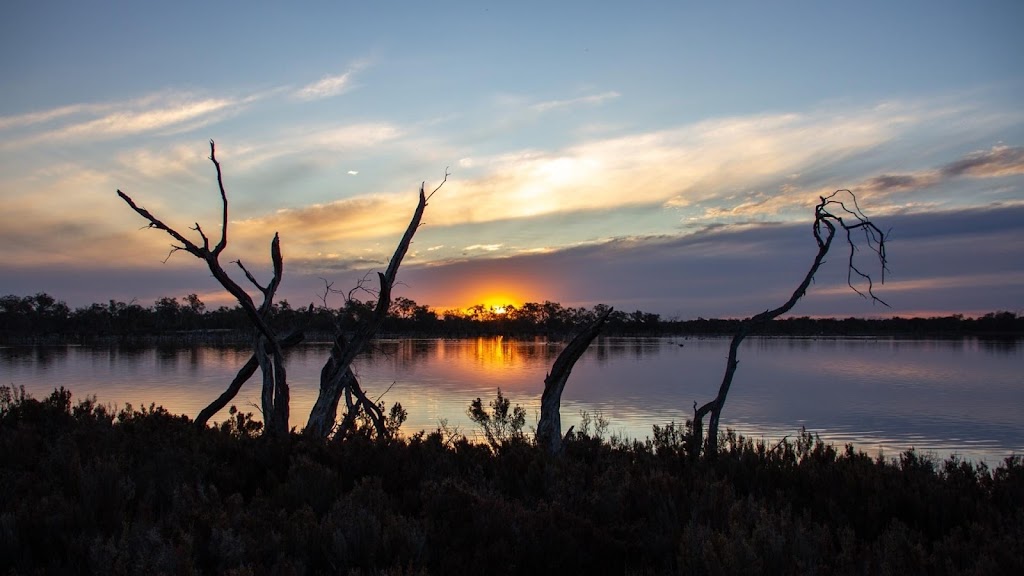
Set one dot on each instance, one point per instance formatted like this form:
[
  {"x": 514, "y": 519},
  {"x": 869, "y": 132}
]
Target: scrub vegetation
[{"x": 95, "y": 489}]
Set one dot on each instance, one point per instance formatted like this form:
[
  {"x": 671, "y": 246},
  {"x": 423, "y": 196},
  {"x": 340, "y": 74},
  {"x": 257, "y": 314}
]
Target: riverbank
[{"x": 87, "y": 491}]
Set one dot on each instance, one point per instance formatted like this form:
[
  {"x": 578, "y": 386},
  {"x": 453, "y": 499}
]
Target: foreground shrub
[{"x": 88, "y": 489}]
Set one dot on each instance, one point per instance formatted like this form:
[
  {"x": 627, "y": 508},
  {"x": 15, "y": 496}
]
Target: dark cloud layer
[
  {"x": 996, "y": 162},
  {"x": 955, "y": 261},
  {"x": 964, "y": 261}
]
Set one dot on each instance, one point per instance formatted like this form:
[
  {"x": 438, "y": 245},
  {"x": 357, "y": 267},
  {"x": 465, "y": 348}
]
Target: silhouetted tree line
[{"x": 42, "y": 315}]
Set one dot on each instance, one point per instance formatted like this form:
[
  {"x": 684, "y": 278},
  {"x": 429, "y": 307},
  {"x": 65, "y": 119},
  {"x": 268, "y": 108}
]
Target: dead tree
[
  {"x": 829, "y": 215},
  {"x": 336, "y": 376},
  {"x": 267, "y": 348},
  {"x": 549, "y": 428}
]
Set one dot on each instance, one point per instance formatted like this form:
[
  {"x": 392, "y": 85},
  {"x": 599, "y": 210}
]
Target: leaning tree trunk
[
  {"x": 875, "y": 239},
  {"x": 549, "y": 428},
  {"x": 336, "y": 377}
]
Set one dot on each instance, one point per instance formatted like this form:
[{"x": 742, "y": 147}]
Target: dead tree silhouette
[
  {"x": 267, "y": 346},
  {"x": 336, "y": 377},
  {"x": 830, "y": 215},
  {"x": 549, "y": 427}
]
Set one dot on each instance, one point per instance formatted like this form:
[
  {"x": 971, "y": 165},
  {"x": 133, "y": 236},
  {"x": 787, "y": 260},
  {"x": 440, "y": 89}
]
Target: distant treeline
[{"x": 44, "y": 317}]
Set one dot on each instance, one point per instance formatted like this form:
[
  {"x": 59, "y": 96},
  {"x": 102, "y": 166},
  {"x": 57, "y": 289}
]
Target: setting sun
[
  {"x": 492, "y": 293},
  {"x": 496, "y": 304},
  {"x": 499, "y": 303}
]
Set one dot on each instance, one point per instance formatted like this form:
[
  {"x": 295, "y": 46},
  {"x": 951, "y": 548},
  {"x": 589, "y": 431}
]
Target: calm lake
[{"x": 963, "y": 396}]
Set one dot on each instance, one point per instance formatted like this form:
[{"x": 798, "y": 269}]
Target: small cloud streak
[
  {"x": 592, "y": 100},
  {"x": 326, "y": 87},
  {"x": 900, "y": 182},
  {"x": 996, "y": 162},
  {"x": 330, "y": 85},
  {"x": 484, "y": 247}
]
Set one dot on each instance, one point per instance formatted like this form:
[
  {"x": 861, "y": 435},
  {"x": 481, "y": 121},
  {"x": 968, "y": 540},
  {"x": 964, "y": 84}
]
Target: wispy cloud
[
  {"x": 326, "y": 87},
  {"x": 43, "y": 116},
  {"x": 163, "y": 162},
  {"x": 330, "y": 85},
  {"x": 740, "y": 169},
  {"x": 701, "y": 165},
  {"x": 737, "y": 169},
  {"x": 484, "y": 247},
  {"x": 156, "y": 113},
  {"x": 312, "y": 142},
  {"x": 353, "y": 229},
  {"x": 591, "y": 100}
]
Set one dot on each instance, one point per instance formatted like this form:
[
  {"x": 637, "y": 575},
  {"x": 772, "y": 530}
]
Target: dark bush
[{"x": 90, "y": 489}]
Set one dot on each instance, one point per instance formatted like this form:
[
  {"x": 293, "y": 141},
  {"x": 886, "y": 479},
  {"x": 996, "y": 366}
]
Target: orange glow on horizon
[
  {"x": 499, "y": 303},
  {"x": 496, "y": 295}
]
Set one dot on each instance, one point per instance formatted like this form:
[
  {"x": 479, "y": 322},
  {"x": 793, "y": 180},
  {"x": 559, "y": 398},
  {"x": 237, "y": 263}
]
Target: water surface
[{"x": 963, "y": 396}]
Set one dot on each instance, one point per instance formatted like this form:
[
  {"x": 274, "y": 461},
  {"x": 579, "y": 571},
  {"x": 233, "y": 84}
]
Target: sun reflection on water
[{"x": 963, "y": 396}]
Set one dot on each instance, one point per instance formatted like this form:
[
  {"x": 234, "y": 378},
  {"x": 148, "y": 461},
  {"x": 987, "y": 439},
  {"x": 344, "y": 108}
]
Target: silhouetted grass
[{"x": 87, "y": 489}]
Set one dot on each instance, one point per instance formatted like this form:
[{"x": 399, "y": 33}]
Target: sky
[{"x": 662, "y": 156}]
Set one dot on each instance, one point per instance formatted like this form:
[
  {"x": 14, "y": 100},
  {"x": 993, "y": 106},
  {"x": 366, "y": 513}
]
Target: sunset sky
[{"x": 663, "y": 156}]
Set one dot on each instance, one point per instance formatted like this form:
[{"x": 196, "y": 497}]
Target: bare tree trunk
[
  {"x": 875, "y": 239},
  {"x": 275, "y": 405},
  {"x": 549, "y": 428},
  {"x": 336, "y": 377}
]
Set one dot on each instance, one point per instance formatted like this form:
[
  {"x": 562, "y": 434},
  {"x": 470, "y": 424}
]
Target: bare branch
[
  {"x": 362, "y": 285},
  {"x": 206, "y": 241},
  {"x": 224, "y": 201},
  {"x": 328, "y": 289},
  {"x": 251, "y": 277},
  {"x": 873, "y": 236},
  {"x": 154, "y": 222},
  {"x": 446, "y": 175},
  {"x": 170, "y": 252}
]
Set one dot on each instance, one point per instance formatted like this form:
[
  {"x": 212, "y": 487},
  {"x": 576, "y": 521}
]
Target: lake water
[{"x": 939, "y": 396}]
